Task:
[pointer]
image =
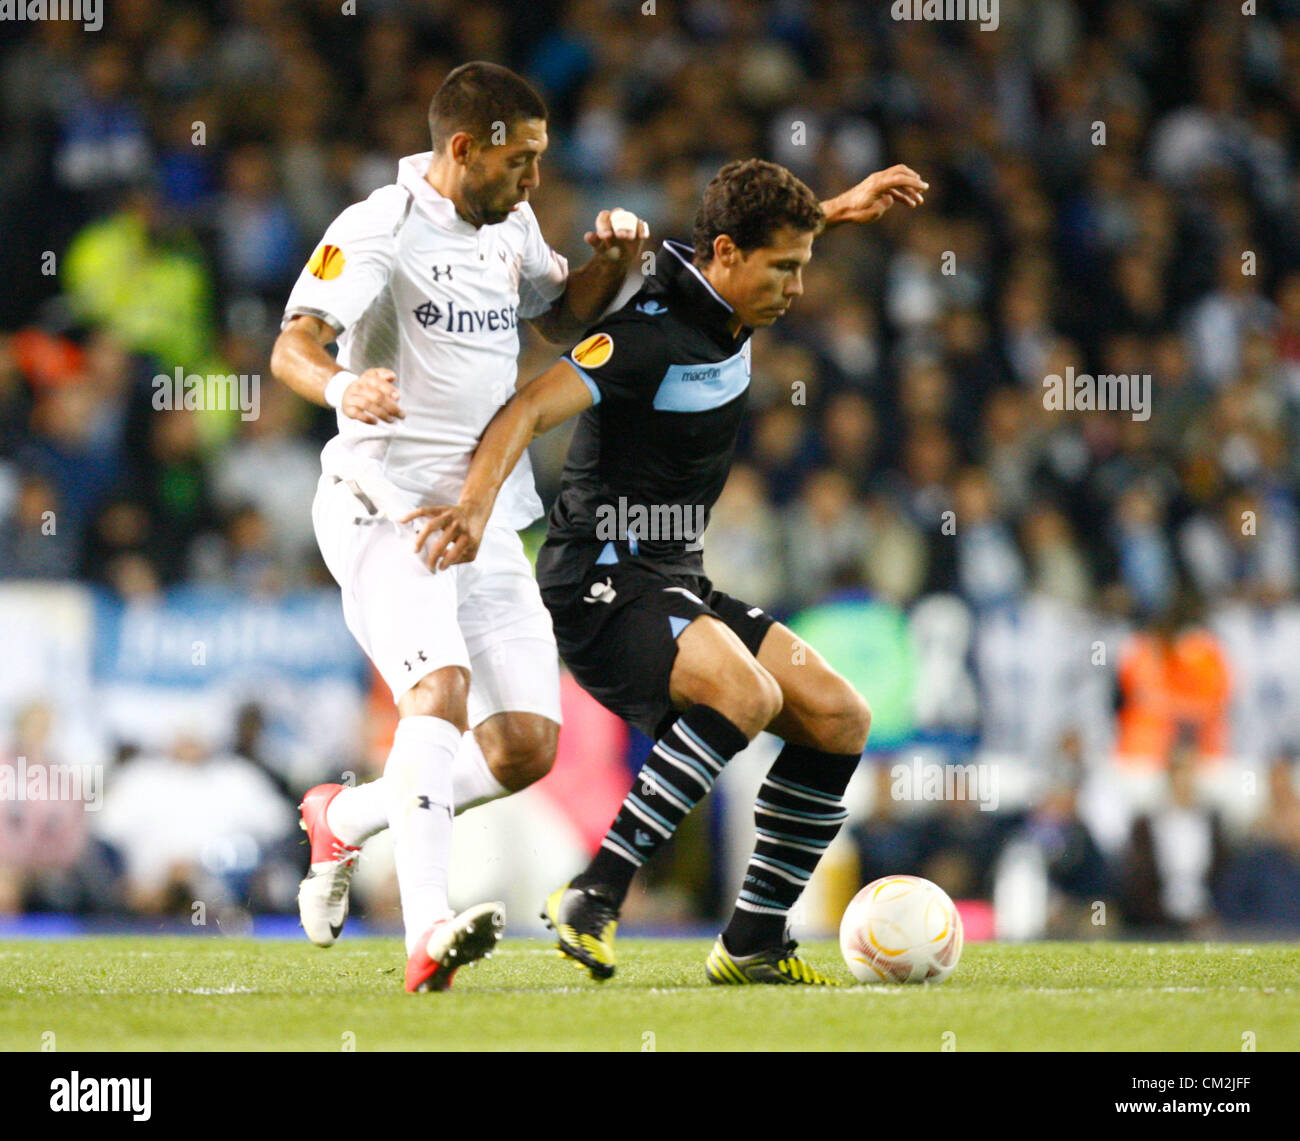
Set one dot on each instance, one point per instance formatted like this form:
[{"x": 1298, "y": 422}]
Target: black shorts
[{"x": 617, "y": 632}]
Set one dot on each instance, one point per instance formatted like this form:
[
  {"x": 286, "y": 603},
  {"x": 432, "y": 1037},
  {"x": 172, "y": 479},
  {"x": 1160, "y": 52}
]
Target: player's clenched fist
[
  {"x": 373, "y": 397},
  {"x": 459, "y": 530},
  {"x": 619, "y": 234}
]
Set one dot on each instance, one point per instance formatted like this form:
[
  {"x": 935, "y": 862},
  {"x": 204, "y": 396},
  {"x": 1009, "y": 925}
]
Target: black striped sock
[
  {"x": 798, "y": 813},
  {"x": 676, "y": 776}
]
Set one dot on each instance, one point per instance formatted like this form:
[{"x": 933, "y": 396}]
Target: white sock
[
  {"x": 472, "y": 782},
  {"x": 358, "y": 813},
  {"x": 417, "y": 779}
]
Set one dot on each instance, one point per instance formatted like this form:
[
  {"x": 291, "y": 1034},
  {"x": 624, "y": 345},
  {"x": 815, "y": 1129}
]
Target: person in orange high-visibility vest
[{"x": 1173, "y": 678}]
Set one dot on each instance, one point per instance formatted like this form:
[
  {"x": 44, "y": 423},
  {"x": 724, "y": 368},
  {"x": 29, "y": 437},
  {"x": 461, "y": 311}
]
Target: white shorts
[{"x": 486, "y": 616}]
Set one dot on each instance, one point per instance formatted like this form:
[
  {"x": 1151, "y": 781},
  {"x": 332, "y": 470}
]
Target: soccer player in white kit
[{"x": 423, "y": 284}]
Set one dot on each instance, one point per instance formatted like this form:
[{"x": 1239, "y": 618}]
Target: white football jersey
[{"x": 411, "y": 286}]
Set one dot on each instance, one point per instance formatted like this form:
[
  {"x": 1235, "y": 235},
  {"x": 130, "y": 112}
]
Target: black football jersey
[{"x": 668, "y": 377}]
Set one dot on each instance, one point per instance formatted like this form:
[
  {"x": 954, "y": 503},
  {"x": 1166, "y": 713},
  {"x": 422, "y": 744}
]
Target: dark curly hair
[{"x": 748, "y": 200}]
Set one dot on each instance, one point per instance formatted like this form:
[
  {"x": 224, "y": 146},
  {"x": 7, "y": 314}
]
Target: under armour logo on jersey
[
  {"x": 652, "y": 308},
  {"x": 428, "y": 314},
  {"x": 601, "y": 591},
  {"x": 436, "y": 272},
  {"x": 419, "y": 656}
]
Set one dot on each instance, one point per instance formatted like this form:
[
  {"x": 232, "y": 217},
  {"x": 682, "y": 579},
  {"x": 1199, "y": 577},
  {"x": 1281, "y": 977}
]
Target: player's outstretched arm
[
  {"x": 300, "y": 361},
  {"x": 875, "y": 194},
  {"x": 552, "y": 398},
  {"x": 616, "y": 244}
]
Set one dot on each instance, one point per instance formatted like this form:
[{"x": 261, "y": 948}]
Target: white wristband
[{"x": 337, "y": 385}]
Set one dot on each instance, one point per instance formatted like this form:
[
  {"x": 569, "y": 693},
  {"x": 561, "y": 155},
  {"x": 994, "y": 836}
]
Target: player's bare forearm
[
  {"x": 589, "y": 291},
  {"x": 455, "y": 532},
  {"x": 555, "y": 396},
  {"x": 874, "y": 195},
  {"x": 299, "y": 359},
  {"x": 537, "y": 407},
  {"x": 509, "y": 432}
]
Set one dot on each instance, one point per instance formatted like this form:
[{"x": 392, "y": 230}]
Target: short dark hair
[
  {"x": 749, "y": 200},
  {"x": 476, "y": 95}
]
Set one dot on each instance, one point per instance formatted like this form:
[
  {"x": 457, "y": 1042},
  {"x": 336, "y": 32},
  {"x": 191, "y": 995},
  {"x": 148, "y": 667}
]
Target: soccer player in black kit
[{"x": 661, "y": 387}]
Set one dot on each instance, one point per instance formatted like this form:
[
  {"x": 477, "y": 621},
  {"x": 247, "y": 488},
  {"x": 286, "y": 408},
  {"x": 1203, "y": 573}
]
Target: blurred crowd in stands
[{"x": 1114, "y": 190}]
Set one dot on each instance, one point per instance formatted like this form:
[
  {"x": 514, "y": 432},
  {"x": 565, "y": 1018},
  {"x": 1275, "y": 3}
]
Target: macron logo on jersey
[
  {"x": 453, "y": 320},
  {"x": 698, "y": 375}
]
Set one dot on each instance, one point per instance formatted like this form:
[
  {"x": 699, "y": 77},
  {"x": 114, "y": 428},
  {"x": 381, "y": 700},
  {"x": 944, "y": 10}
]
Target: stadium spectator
[
  {"x": 781, "y": 449},
  {"x": 990, "y": 571},
  {"x": 888, "y": 840},
  {"x": 1054, "y": 562},
  {"x": 49, "y": 860},
  {"x": 144, "y": 278},
  {"x": 117, "y": 551},
  {"x": 1175, "y": 858},
  {"x": 178, "y": 64},
  {"x": 743, "y": 542},
  {"x": 15, "y": 399},
  {"x": 1260, "y": 891},
  {"x": 1077, "y": 869},
  {"x": 67, "y": 446},
  {"x": 825, "y": 531},
  {"x": 1219, "y": 323},
  {"x": 271, "y": 467},
  {"x": 867, "y": 642},
  {"x": 193, "y": 826},
  {"x": 170, "y": 483},
  {"x": 258, "y": 244},
  {"x": 1012, "y": 444},
  {"x": 244, "y": 554},
  {"x": 1288, "y": 336},
  {"x": 1146, "y": 558},
  {"x": 30, "y": 544},
  {"x": 851, "y": 436},
  {"x": 104, "y": 141},
  {"x": 1173, "y": 680},
  {"x": 958, "y": 847},
  {"x": 896, "y": 567}
]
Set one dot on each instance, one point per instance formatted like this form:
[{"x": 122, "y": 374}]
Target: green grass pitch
[{"x": 203, "y": 993}]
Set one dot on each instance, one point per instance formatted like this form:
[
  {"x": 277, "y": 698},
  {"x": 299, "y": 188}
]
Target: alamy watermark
[
  {"x": 75, "y": 1094},
  {"x": 213, "y": 393},
  {"x": 20, "y": 781},
  {"x": 650, "y": 523},
  {"x": 1106, "y": 392},
  {"x": 985, "y": 11},
  {"x": 88, "y": 13},
  {"x": 929, "y": 781}
]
